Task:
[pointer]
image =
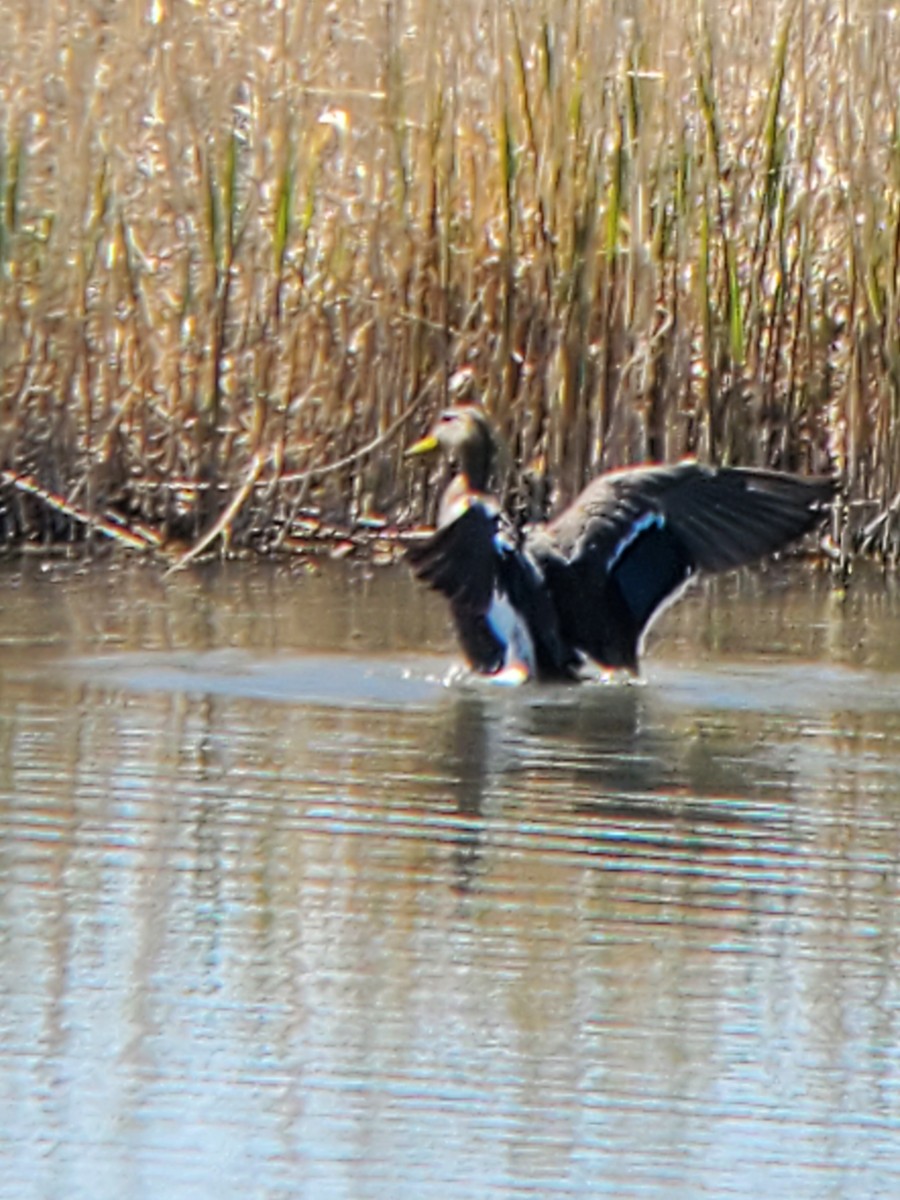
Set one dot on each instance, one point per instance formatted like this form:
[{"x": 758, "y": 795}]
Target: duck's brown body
[{"x": 587, "y": 584}]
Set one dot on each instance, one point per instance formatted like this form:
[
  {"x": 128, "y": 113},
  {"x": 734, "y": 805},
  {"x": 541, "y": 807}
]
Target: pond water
[{"x": 287, "y": 910}]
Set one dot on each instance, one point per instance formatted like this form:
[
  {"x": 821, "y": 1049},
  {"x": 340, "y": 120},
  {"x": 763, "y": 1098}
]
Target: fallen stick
[{"x": 109, "y": 526}]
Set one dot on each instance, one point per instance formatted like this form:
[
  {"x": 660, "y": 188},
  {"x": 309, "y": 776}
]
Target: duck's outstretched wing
[
  {"x": 459, "y": 558},
  {"x": 634, "y": 537},
  {"x": 502, "y": 609}
]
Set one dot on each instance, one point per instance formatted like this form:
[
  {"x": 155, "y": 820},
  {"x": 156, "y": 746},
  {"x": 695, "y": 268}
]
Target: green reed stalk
[
  {"x": 507, "y": 173},
  {"x": 773, "y": 193},
  {"x": 222, "y": 214},
  {"x": 11, "y": 166},
  {"x": 708, "y": 104}
]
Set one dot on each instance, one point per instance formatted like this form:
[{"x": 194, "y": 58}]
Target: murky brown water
[{"x": 282, "y": 915}]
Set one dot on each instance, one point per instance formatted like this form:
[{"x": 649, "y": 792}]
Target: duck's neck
[{"x": 475, "y": 459}]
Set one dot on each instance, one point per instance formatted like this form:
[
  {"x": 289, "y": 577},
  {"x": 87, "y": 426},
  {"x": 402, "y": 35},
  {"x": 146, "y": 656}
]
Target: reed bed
[{"x": 246, "y": 250}]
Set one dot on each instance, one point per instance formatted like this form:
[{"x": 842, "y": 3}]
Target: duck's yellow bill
[{"x": 423, "y": 446}]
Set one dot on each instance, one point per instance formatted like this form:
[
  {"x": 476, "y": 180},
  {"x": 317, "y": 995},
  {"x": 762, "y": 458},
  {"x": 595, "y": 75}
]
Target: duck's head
[{"x": 465, "y": 435}]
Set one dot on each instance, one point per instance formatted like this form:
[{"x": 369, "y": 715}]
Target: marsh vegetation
[{"x": 247, "y": 249}]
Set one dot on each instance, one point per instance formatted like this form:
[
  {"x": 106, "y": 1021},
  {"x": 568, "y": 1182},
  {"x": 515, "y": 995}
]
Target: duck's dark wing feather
[
  {"x": 634, "y": 537},
  {"x": 459, "y": 558},
  {"x": 474, "y": 561}
]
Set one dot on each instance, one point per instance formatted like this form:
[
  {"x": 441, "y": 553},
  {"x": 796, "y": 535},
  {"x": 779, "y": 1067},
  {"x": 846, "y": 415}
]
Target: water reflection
[{"x": 283, "y": 915}]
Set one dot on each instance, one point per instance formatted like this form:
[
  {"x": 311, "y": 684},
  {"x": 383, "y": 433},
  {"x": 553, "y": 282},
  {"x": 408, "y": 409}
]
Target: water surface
[{"x": 287, "y": 910}]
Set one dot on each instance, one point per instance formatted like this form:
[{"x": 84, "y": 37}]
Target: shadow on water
[{"x": 288, "y": 910}]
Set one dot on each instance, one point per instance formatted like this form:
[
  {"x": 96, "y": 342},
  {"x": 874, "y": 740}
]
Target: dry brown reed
[{"x": 246, "y": 249}]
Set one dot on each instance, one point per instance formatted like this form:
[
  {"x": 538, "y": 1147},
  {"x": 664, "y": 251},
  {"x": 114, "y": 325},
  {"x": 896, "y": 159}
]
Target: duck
[{"x": 545, "y": 601}]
